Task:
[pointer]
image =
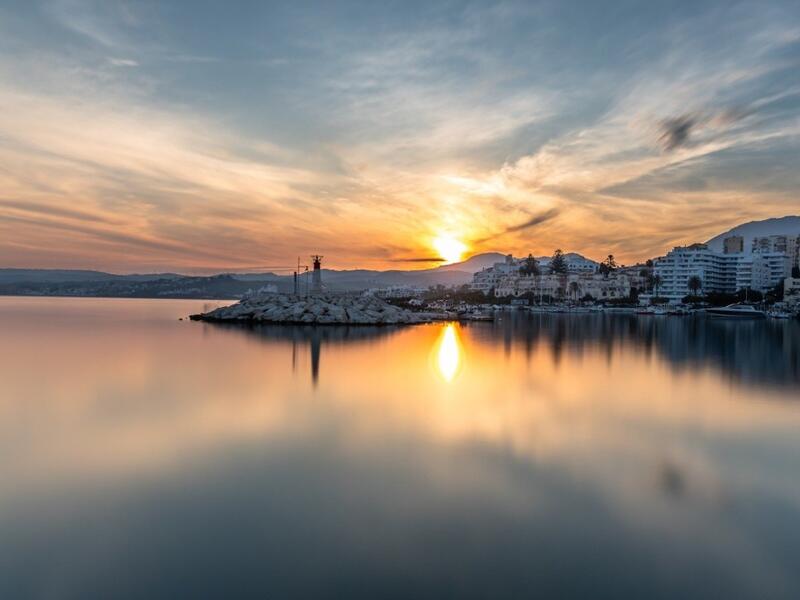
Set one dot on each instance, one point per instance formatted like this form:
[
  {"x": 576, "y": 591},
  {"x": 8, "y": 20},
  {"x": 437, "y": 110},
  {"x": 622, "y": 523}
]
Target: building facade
[
  {"x": 781, "y": 244},
  {"x": 733, "y": 244},
  {"x": 568, "y": 286},
  {"x": 724, "y": 272},
  {"x": 716, "y": 271},
  {"x": 504, "y": 277}
]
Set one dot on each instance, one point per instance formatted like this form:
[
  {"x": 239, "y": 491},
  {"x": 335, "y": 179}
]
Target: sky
[{"x": 199, "y": 136}]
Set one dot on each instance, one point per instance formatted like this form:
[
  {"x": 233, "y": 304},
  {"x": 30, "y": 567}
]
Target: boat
[
  {"x": 779, "y": 314},
  {"x": 478, "y": 316},
  {"x": 738, "y": 311}
]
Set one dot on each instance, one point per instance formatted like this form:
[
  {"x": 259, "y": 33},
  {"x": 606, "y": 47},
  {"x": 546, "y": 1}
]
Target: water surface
[{"x": 540, "y": 455}]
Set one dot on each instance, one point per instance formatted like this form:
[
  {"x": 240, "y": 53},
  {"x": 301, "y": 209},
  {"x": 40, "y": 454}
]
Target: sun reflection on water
[{"x": 449, "y": 357}]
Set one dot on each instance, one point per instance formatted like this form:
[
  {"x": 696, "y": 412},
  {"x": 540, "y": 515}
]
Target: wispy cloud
[
  {"x": 130, "y": 141},
  {"x": 123, "y": 62}
]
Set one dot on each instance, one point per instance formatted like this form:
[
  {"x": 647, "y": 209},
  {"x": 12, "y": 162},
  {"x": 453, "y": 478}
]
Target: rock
[{"x": 328, "y": 309}]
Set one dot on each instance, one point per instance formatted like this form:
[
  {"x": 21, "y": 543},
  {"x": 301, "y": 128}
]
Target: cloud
[
  {"x": 423, "y": 259},
  {"x": 123, "y": 62},
  {"x": 677, "y": 131},
  {"x": 528, "y": 224},
  {"x": 484, "y": 123}
]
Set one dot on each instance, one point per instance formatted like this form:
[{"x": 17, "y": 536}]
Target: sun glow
[{"x": 449, "y": 248}]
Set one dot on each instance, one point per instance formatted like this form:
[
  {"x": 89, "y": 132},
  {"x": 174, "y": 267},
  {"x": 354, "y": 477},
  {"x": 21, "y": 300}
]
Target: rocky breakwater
[{"x": 326, "y": 309}]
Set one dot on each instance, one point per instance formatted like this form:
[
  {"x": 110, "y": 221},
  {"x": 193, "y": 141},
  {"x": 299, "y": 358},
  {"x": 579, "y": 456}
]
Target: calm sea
[{"x": 550, "y": 456}]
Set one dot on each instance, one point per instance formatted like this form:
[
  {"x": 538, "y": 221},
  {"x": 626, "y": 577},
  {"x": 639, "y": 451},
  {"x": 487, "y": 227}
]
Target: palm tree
[
  {"x": 608, "y": 265},
  {"x": 695, "y": 284},
  {"x": 656, "y": 283},
  {"x": 574, "y": 289}
]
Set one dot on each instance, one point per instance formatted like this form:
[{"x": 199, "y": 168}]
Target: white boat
[
  {"x": 478, "y": 316},
  {"x": 779, "y": 314},
  {"x": 739, "y": 311}
]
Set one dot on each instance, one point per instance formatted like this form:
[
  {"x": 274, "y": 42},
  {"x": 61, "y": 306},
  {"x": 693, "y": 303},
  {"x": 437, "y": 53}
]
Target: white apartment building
[
  {"x": 570, "y": 285},
  {"x": 718, "y": 271},
  {"x": 783, "y": 244},
  {"x": 762, "y": 271},
  {"x": 490, "y": 277},
  {"x": 504, "y": 274}
]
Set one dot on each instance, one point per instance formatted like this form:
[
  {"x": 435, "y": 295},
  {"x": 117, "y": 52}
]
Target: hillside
[{"x": 777, "y": 226}]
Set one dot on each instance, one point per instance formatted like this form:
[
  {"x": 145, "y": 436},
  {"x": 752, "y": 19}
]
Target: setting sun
[{"x": 450, "y": 249}]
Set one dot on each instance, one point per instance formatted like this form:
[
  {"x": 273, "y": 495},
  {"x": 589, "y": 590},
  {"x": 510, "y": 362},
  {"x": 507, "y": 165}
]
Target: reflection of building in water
[{"x": 759, "y": 352}]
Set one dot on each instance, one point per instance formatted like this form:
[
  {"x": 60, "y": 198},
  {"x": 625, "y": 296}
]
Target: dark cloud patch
[
  {"x": 738, "y": 171},
  {"x": 678, "y": 131},
  {"x": 532, "y": 222},
  {"x": 420, "y": 259},
  {"x": 675, "y": 132}
]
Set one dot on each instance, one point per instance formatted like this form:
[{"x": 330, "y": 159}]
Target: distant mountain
[
  {"x": 63, "y": 282},
  {"x": 359, "y": 279},
  {"x": 50, "y": 282},
  {"x": 778, "y": 226},
  {"x": 68, "y": 275},
  {"x": 474, "y": 263}
]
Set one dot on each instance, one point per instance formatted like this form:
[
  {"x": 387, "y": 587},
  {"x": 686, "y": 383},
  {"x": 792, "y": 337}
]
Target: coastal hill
[
  {"x": 778, "y": 226},
  {"x": 51, "y": 282},
  {"x": 58, "y": 282}
]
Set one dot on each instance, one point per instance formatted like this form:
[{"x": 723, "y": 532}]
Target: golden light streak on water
[{"x": 449, "y": 357}]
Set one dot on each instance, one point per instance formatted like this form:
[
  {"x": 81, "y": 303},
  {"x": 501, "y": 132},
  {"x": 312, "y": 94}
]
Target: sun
[{"x": 449, "y": 248}]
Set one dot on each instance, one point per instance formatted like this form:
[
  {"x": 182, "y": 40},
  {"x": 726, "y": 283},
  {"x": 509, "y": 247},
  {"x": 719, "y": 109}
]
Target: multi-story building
[
  {"x": 784, "y": 244},
  {"x": 719, "y": 271},
  {"x": 568, "y": 285},
  {"x": 762, "y": 271},
  {"x": 490, "y": 277},
  {"x": 733, "y": 244},
  {"x": 497, "y": 275}
]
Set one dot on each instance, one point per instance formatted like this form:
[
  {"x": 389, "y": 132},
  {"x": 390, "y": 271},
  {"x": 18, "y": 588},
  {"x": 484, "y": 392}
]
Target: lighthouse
[{"x": 316, "y": 275}]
